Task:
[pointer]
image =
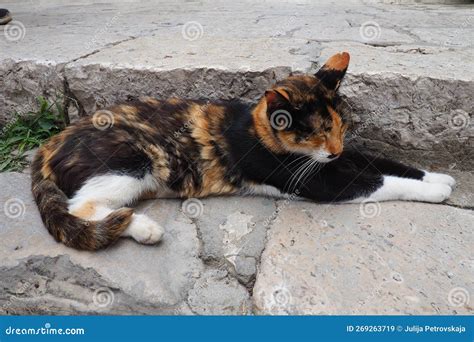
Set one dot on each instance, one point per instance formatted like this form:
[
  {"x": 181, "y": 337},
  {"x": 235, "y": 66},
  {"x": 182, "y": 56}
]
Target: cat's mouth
[{"x": 322, "y": 156}]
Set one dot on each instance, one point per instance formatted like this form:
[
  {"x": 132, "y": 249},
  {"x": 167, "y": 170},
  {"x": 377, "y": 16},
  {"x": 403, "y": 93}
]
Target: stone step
[{"x": 410, "y": 82}]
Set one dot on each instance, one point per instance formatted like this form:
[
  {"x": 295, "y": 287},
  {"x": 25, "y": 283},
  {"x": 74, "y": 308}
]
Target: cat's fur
[{"x": 290, "y": 142}]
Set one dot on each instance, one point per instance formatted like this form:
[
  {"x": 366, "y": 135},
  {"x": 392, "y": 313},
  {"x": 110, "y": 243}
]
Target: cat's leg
[
  {"x": 392, "y": 168},
  {"x": 343, "y": 180},
  {"x": 101, "y": 195},
  {"x": 399, "y": 188}
]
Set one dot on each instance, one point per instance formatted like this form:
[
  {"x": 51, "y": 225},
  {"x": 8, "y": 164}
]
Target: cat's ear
[
  {"x": 332, "y": 72},
  {"x": 276, "y": 98}
]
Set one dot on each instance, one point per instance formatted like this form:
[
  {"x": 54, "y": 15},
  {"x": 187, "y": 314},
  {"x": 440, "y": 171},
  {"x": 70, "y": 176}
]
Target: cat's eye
[{"x": 302, "y": 137}]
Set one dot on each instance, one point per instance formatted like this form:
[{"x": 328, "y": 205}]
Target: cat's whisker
[
  {"x": 297, "y": 159},
  {"x": 313, "y": 165},
  {"x": 294, "y": 174},
  {"x": 288, "y": 182},
  {"x": 316, "y": 168},
  {"x": 301, "y": 172},
  {"x": 304, "y": 173}
]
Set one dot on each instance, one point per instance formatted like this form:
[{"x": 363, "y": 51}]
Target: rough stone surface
[
  {"x": 463, "y": 197},
  {"x": 409, "y": 83},
  {"x": 388, "y": 258},
  {"x": 233, "y": 232},
  {"x": 22, "y": 82},
  {"x": 57, "y": 279},
  {"x": 217, "y": 294},
  {"x": 206, "y": 68}
]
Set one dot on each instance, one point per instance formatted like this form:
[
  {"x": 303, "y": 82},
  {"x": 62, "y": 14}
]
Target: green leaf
[{"x": 46, "y": 125}]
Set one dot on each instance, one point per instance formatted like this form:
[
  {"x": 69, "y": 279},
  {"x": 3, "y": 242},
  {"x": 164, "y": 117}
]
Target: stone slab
[{"x": 375, "y": 259}]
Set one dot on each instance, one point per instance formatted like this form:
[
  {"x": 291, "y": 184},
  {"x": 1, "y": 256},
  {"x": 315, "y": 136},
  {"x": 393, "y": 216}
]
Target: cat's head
[{"x": 304, "y": 113}]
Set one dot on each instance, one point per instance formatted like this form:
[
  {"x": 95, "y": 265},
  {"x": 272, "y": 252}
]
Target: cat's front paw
[
  {"x": 439, "y": 178},
  {"x": 437, "y": 193}
]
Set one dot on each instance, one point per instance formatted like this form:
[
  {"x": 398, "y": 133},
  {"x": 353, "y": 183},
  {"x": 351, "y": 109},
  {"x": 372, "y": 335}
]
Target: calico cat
[{"x": 290, "y": 142}]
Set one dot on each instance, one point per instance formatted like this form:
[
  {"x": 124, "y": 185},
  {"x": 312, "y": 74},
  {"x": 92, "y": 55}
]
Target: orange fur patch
[
  {"x": 263, "y": 128},
  {"x": 175, "y": 101},
  {"x": 149, "y": 195},
  {"x": 160, "y": 159},
  {"x": 149, "y": 100},
  {"x": 339, "y": 61},
  {"x": 334, "y": 143},
  {"x": 48, "y": 151},
  {"x": 129, "y": 109},
  {"x": 283, "y": 92},
  {"x": 205, "y": 122},
  {"x": 86, "y": 211}
]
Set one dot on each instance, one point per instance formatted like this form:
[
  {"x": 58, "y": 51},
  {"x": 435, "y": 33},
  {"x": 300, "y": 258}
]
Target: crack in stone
[
  {"x": 258, "y": 259},
  {"x": 71, "y": 98},
  {"x": 105, "y": 47},
  {"x": 214, "y": 262},
  {"x": 459, "y": 206}
]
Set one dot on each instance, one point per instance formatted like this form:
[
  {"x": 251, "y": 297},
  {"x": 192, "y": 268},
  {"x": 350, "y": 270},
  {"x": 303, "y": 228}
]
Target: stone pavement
[
  {"x": 248, "y": 255},
  {"x": 410, "y": 86}
]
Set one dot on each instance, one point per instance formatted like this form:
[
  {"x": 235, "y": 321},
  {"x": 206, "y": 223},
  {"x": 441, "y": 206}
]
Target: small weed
[{"x": 29, "y": 131}]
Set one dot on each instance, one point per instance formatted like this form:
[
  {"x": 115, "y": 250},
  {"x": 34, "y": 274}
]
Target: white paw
[
  {"x": 433, "y": 177},
  {"x": 144, "y": 230},
  {"x": 437, "y": 193}
]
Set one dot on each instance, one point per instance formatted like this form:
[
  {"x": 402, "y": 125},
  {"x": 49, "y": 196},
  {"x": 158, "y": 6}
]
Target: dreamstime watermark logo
[
  {"x": 355, "y": 133},
  {"x": 280, "y": 119},
  {"x": 103, "y": 119},
  {"x": 14, "y": 31},
  {"x": 192, "y": 208},
  {"x": 458, "y": 297},
  {"x": 458, "y": 32},
  {"x": 19, "y": 291},
  {"x": 459, "y": 119},
  {"x": 370, "y": 30},
  {"x": 14, "y": 208},
  {"x": 369, "y": 208},
  {"x": 192, "y": 30},
  {"x": 293, "y": 196},
  {"x": 185, "y": 127},
  {"x": 281, "y": 296},
  {"x": 103, "y": 297}
]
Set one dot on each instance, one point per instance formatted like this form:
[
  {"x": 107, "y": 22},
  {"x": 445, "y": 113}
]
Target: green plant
[{"x": 29, "y": 131}]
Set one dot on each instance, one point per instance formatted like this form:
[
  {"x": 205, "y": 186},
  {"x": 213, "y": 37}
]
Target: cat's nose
[{"x": 333, "y": 156}]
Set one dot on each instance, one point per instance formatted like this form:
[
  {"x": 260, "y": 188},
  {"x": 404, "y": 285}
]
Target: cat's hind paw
[
  {"x": 144, "y": 230},
  {"x": 439, "y": 178}
]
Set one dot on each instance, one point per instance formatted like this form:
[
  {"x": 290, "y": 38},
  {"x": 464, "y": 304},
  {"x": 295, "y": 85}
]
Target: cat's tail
[{"x": 66, "y": 228}]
